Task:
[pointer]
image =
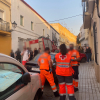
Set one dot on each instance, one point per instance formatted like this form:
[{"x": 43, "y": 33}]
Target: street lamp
[{"x": 14, "y": 24}]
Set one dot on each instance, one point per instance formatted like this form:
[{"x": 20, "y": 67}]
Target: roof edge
[{"x": 34, "y": 11}]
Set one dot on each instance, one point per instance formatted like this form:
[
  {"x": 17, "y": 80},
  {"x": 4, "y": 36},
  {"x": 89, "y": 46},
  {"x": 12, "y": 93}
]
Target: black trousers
[
  {"x": 19, "y": 59},
  {"x": 75, "y": 76}
]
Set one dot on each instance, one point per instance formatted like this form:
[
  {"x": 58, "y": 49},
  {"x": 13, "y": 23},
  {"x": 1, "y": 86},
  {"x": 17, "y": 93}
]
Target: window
[
  {"x": 43, "y": 32},
  {"x": 21, "y": 20},
  {"x": 10, "y": 79},
  {"x": 32, "y": 27},
  {"x": 1, "y": 13}
]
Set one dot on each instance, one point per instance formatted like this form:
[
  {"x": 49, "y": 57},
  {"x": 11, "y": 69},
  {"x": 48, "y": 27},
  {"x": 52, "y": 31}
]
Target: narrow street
[{"x": 89, "y": 89}]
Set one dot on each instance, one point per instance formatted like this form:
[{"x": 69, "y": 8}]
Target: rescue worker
[
  {"x": 45, "y": 64},
  {"x": 75, "y": 57},
  {"x": 64, "y": 73}
]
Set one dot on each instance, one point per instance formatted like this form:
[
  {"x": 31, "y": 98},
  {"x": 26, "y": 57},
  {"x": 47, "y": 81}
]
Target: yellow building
[
  {"x": 65, "y": 35},
  {"x": 5, "y": 21}
]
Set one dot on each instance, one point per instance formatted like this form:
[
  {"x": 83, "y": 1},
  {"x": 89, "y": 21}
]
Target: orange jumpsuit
[
  {"x": 75, "y": 54},
  {"x": 64, "y": 73},
  {"x": 44, "y": 71}
]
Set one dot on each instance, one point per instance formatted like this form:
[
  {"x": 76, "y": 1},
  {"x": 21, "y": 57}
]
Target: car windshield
[{"x": 37, "y": 57}]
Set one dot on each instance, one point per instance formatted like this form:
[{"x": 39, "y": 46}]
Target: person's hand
[
  {"x": 50, "y": 70},
  {"x": 27, "y": 60},
  {"x": 72, "y": 60}
]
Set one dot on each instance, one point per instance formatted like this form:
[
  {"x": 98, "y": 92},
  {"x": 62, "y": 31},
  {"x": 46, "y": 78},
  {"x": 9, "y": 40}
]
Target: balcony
[
  {"x": 82, "y": 38},
  {"x": 4, "y": 27},
  {"x": 84, "y": 0},
  {"x": 87, "y": 20},
  {"x": 82, "y": 33},
  {"x": 88, "y": 7}
]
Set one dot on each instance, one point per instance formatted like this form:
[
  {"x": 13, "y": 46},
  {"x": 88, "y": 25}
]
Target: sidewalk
[{"x": 89, "y": 89}]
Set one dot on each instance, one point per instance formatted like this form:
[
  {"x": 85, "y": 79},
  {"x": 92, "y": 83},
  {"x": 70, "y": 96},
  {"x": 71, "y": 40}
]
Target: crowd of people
[
  {"x": 87, "y": 50},
  {"x": 26, "y": 55}
]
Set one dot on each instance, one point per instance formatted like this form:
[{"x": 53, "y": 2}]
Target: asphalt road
[{"x": 48, "y": 94}]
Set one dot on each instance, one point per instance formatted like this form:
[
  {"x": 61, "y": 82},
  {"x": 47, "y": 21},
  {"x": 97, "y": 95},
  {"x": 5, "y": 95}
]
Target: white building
[
  {"x": 83, "y": 36},
  {"x": 30, "y": 25},
  {"x": 54, "y": 36}
]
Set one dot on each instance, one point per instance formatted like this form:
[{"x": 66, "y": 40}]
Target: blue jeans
[{"x": 88, "y": 56}]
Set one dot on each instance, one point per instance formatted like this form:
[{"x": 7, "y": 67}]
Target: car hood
[{"x": 32, "y": 62}]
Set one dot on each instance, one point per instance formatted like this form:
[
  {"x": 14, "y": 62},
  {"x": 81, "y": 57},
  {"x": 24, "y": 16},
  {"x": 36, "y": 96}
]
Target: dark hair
[
  {"x": 47, "y": 49},
  {"x": 63, "y": 49}
]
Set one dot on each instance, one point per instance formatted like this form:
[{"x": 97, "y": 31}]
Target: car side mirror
[{"x": 26, "y": 78}]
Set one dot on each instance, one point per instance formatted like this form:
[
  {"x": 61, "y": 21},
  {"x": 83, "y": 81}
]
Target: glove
[
  {"x": 72, "y": 59},
  {"x": 50, "y": 70}
]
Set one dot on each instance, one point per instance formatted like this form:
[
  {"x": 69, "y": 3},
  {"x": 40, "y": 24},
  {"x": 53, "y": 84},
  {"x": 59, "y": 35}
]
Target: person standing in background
[
  {"x": 39, "y": 50},
  {"x": 12, "y": 54},
  {"x": 31, "y": 54},
  {"x": 75, "y": 58},
  {"x": 18, "y": 55},
  {"x": 35, "y": 52},
  {"x": 26, "y": 55},
  {"x": 88, "y": 53}
]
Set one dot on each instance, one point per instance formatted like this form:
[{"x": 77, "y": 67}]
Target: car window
[
  {"x": 10, "y": 79},
  {"x": 37, "y": 57},
  {"x": 52, "y": 56}
]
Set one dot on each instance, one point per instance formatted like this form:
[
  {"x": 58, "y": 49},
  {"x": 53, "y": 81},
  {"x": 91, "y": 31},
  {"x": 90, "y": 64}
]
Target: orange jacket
[
  {"x": 74, "y": 54},
  {"x": 63, "y": 67},
  {"x": 44, "y": 61}
]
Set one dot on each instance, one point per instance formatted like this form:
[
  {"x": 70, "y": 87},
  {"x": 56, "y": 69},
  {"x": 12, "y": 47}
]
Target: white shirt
[{"x": 25, "y": 55}]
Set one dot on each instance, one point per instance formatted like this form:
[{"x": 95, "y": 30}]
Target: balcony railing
[{"x": 4, "y": 26}]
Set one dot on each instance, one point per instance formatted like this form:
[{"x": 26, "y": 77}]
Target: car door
[{"x": 11, "y": 85}]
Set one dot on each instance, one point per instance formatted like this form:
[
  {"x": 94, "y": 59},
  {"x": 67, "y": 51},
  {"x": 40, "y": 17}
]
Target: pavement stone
[{"x": 89, "y": 89}]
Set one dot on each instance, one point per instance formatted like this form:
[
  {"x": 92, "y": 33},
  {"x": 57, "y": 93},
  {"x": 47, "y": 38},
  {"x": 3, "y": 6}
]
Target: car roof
[
  {"x": 53, "y": 53},
  {"x": 7, "y": 59},
  {"x": 50, "y": 53}
]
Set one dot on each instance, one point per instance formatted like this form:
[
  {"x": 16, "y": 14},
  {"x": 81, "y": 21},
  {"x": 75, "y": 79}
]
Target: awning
[{"x": 87, "y": 20}]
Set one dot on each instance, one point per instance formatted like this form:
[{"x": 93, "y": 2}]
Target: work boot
[
  {"x": 75, "y": 89},
  {"x": 72, "y": 98},
  {"x": 56, "y": 94},
  {"x": 63, "y": 97}
]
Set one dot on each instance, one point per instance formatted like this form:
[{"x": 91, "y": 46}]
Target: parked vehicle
[
  {"x": 41, "y": 43},
  {"x": 16, "y": 83},
  {"x": 83, "y": 57},
  {"x": 32, "y": 66}
]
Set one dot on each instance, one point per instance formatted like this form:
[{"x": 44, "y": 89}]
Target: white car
[{"x": 16, "y": 83}]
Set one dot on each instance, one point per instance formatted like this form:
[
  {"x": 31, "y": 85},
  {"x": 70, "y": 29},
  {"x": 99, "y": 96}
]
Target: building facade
[
  {"x": 93, "y": 17},
  {"x": 30, "y": 25},
  {"x": 54, "y": 36},
  {"x": 65, "y": 35},
  {"x": 83, "y": 36},
  {"x": 5, "y": 24}
]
